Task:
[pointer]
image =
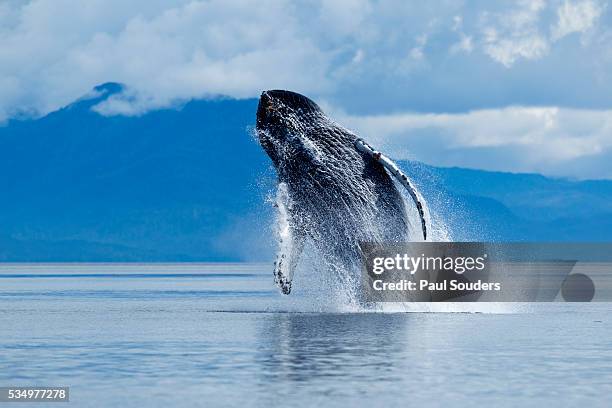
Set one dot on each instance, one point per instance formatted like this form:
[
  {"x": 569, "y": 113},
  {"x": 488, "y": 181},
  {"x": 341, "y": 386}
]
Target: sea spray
[{"x": 329, "y": 283}]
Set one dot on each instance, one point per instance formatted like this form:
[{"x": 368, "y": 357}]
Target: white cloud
[
  {"x": 508, "y": 50},
  {"x": 549, "y": 140},
  {"x": 515, "y": 34},
  {"x": 53, "y": 51},
  {"x": 576, "y": 17},
  {"x": 465, "y": 41},
  {"x": 57, "y": 51},
  {"x": 344, "y": 17},
  {"x": 519, "y": 33}
]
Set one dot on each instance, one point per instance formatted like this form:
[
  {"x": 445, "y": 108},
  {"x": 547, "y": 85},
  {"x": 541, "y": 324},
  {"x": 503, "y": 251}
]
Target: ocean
[{"x": 184, "y": 335}]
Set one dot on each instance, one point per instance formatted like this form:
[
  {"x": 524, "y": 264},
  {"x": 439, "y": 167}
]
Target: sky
[{"x": 521, "y": 86}]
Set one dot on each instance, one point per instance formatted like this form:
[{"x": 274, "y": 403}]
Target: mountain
[
  {"x": 190, "y": 183},
  {"x": 517, "y": 207},
  {"x": 170, "y": 184}
]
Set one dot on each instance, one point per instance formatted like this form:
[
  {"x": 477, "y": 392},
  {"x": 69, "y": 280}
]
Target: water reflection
[{"x": 307, "y": 347}]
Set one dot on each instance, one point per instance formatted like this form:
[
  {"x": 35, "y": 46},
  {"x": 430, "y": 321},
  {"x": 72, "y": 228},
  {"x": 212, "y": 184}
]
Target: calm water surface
[{"x": 220, "y": 335}]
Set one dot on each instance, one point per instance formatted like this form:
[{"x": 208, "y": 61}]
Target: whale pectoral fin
[
  {"x": 291, "y": 246},
  {"x": 291, "y": 241},
  {"x": 392, "y": 168}
]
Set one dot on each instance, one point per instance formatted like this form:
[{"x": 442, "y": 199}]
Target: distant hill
[
  {"x": 517, "y": 207},
  {"x": 170, "y": 184},
  {"x": 190, "y": 184}
]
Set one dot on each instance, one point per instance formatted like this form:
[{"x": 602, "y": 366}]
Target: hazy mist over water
[{"x": 221, "y": 335}]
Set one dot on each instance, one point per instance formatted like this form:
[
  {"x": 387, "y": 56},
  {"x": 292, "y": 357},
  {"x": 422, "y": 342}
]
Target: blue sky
[{"x": 514, "y": 86}]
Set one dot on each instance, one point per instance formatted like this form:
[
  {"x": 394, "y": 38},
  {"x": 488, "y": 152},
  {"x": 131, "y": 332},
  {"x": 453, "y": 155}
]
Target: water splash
[{"x": 324, "y": 283}]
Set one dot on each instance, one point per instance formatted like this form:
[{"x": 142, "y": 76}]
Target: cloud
[
  {"x": 463, "y": 45},
  {"x": 163, "y": 54},
  {"x": 576, "y": 17},
  {"x": 520, "y": 33},
  {"x": 363, "y": 55},
  {"x": 548, "y": 140},
  {"x": 516, "y": 34}
]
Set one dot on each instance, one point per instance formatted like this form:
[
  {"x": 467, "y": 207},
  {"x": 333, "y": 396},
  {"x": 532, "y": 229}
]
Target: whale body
[{"x": 333, "y": 188}]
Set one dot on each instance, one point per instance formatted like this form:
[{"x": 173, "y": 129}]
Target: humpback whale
[{"x": 333, "y": 187}]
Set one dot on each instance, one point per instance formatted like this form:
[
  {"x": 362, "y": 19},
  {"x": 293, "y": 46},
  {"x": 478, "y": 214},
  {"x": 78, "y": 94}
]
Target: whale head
[{"x": 292, "y": 129}]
